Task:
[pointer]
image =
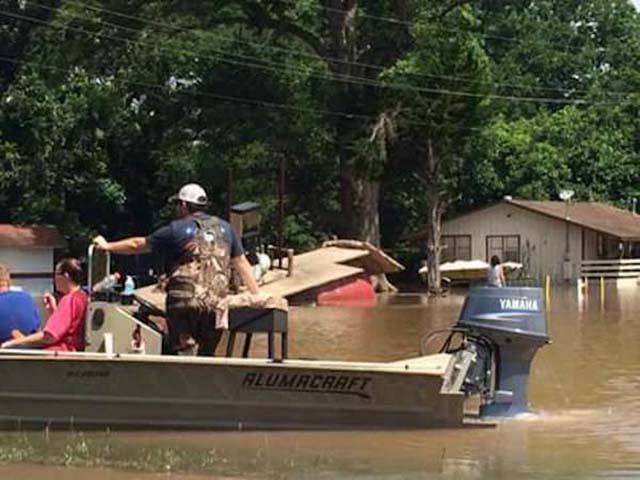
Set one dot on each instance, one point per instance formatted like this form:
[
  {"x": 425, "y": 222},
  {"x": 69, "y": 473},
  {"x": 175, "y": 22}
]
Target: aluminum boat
[{"x": 486, "y": 355}]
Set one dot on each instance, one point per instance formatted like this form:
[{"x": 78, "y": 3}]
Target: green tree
[
  {"x": 435, "y": 125},
  {"x": 53, "y": 158}
]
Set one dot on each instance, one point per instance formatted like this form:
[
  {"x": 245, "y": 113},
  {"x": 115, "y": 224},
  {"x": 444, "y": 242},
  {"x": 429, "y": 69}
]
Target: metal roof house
[
  {"x": 565, "y": 240},
  {"x": 29, "y": 253}
]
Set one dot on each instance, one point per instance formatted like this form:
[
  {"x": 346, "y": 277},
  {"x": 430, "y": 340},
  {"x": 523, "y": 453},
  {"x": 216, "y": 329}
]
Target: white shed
[{"x": 29, "y": 253}]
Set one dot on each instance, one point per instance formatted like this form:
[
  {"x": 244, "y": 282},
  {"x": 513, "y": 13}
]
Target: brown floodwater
[{"x": 584, "y": 390}]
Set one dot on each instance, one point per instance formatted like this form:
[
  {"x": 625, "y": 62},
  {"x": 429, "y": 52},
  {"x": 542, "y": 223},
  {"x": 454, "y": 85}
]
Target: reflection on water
[{"x": 584, "y": 390}]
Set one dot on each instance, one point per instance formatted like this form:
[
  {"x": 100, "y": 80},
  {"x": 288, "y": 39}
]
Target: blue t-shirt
[
  {"x": 171, "y": 239},
  {"x": 18, "y": 311}
]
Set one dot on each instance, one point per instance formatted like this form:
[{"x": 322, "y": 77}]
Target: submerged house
[
  {"x": 565, "y": 240},
  {"x": 29, "y": 253}
]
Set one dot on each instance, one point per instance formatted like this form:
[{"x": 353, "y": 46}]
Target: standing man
[
  {"x": 199, "y": 250},
  {"x": 18, "y": 312}
]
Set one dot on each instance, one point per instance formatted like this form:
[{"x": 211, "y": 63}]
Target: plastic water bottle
[
  {"x": 106, "y": 283},
  {"x": 127, "y": 293}
]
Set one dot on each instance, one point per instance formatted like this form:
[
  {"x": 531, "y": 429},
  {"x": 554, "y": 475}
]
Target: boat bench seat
[
  {"x": 258, "y": 320},
  {"x": 245, "y": 320},
  {"x": 248, "y": 320}
]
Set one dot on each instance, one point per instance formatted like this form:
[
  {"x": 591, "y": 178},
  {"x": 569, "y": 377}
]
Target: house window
[
  {"x": 507, "y": 247},
  {"x": 455, "y": 247}
]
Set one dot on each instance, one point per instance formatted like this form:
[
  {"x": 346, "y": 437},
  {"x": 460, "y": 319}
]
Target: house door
[{"x": 507, "y": 247}]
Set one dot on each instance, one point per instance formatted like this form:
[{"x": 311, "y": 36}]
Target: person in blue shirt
[
  {"x": 173, "y": 241},
  {"x": 18, "y": 312}
]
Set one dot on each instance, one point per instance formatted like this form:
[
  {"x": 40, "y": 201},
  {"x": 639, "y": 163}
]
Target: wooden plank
[
  {"x": 309, "y": 278},
  {"x": 376, "y": 262},
  {"x": 597, "y": 274},
  {"x": 316, "y": 268},
  {"x": 328, "y": 255},
  {"x": 612, "y": 262},
  {"x": 610, "y": 275},
  {"x": 620, "y": 268},
  {"x": 610, "y": 267}
]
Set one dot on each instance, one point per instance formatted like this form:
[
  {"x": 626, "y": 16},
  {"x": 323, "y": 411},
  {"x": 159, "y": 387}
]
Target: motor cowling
[{"x": 513, "y": 321}]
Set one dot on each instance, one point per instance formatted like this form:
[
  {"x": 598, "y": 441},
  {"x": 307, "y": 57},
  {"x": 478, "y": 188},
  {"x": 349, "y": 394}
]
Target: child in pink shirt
[{"x": 64, "y": 330}]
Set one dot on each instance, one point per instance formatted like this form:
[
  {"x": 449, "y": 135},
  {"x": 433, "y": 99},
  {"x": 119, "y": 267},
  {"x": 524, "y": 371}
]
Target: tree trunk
[
  {"x": 360, "y": 195},
  {"x": 360, "y": 201},
  {"x": 338, "y": 47},
  {"x": 435, "y": 207},
  {"x": 434, "y": 278}
]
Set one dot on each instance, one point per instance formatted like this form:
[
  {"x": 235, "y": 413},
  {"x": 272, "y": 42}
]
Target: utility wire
[
  {"x": 340, "y": 78},
  {"x": 342, "y": 61},
  {"x": 270, "y": 65},
  {"x": 242, "y": 100},
  {"x": 406, "y": 23},
  {"x": 391, "y": 20},
  {"x": 315, "y": 57}
]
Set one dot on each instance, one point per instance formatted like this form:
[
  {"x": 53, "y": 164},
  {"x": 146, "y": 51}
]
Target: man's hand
[
  {"x": 243, "y": 267},
  {"x": 260, "y": 299},
  {"x": 101, "y": 243}
]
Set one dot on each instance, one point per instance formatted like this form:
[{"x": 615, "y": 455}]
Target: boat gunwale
[{"x": 406, "y": 366}]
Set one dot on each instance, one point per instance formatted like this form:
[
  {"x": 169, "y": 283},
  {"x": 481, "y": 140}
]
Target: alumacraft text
[{"x": 317, "y": 383}]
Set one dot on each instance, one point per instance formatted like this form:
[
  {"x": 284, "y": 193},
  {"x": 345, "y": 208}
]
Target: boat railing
[{"x": 91, "y": 267}]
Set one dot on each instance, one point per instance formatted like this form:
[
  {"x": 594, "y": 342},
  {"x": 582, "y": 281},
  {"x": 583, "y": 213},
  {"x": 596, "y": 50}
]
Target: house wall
[
  {"x": 30, "y": 261},
  {"x": 542, "y": 238},
  {"x": 590, "y": 245}
]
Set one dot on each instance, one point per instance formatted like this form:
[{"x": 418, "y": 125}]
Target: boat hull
[{"x": 132, "y": 392}]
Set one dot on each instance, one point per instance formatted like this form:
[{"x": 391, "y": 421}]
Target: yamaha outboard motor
[{"x": 513, "y": 324}]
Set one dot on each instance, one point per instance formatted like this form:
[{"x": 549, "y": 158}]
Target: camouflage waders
[{"x": 197, "y": 289}]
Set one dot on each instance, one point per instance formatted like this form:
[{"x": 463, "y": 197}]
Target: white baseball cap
[{"x": 191, "y": 193}]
